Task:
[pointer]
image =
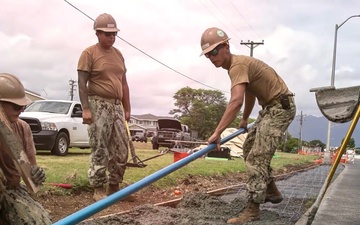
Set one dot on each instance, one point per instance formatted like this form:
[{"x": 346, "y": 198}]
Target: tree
[
  {"x": 292, "y": 145},
  {"x": 350, "y": 144},
  {"x": 317, "y": 143},
  {"x": 289, "y": 144},
  {"x": 200, "y": 109}
]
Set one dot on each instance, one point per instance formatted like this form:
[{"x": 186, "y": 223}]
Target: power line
[
  {"x": 244, "y": 19},
  {"x": 150, "y": 55},
  {"x": 228, "y": 19},
  {"x": 218, "y": 19}
]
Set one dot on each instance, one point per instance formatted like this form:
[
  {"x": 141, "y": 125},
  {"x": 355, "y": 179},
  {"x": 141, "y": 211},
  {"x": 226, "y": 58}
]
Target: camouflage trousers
[
  {"x": 17, "y": 207},
  {"x": 260, "y": 146},
  {"x": 109, "y": 141}
]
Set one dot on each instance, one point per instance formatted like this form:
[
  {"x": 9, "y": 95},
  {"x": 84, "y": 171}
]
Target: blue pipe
[{"x": 106, "y": 202}]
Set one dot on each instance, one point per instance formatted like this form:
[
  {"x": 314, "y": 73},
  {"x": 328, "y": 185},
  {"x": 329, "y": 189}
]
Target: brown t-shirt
[
  {"x": 7, "y": 165},
  {"x": 106, "y": 68},
  {"x": 262, "y": 80}
]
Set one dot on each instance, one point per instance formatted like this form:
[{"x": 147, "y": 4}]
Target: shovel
[{"x": 132, "y": 150}]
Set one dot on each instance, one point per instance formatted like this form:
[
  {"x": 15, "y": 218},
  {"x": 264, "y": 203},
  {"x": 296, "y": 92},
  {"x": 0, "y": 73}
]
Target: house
[
  {"x": 33, "y": 96},
  {"x": 145, "y": 122}
]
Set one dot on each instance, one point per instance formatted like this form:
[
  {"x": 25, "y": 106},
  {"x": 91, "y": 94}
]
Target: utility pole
[
  {"x": 285, "y": 140},
  {"x": 72, "y": 88},
  {"x": 252, "y": 45},
  {"x": 300, "y": 133}
]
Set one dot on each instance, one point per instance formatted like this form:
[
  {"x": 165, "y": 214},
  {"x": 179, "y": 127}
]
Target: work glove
[{"x": 37, "y": 175}]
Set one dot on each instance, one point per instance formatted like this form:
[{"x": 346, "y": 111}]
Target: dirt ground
[{"x": 192, "y": 192}]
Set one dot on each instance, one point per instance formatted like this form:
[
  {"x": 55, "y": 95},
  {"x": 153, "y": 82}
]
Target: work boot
[
  {"x": 99, "y": 193},
  {"x": 112, "y": 189},
  {"x": 272, "y": 194},
  {"x": 130, "y": 198},
  {"x": 115, "y": 188},
  {"x": 250, "y": 213}
]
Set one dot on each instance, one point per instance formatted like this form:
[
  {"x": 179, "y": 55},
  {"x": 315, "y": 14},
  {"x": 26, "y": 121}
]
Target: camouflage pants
[
  {"x": 109, "y": 141},
  {"x": 17, "y": 207},
  {"x": 260, "y": 146}
]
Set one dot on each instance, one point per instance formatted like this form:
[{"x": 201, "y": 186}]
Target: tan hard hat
[
  {"x": 211, "y": 38},
  {"x": 105, "y": 22},
  {"x": 12, "y": 90}
]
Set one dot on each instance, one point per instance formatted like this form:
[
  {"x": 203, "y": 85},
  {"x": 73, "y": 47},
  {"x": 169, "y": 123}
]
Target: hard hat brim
[
  {"x": 211, "y": 47},
  {"x": 18, "y": 101},
  {"x": 108, "y": 29}
]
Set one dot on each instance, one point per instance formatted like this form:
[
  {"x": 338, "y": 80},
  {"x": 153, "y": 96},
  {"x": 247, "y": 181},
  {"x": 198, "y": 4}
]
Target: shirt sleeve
[
  {"x": 85, "y": 62},
  {"x": 239, "y": 74},
  {"x": 29, "y": 145}
]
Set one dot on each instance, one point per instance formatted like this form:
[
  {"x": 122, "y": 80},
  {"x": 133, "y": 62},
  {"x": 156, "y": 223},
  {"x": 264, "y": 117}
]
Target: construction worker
[
  {"x": 104, "y": 95},
  {"x": 252, "y": 79},
  {"x": 16, "y": 205}
]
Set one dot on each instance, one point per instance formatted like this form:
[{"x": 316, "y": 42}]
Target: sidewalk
[{"x": 341, "y": 202}]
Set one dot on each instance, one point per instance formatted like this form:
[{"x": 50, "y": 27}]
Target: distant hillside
[{"x": 316, "y": 128}]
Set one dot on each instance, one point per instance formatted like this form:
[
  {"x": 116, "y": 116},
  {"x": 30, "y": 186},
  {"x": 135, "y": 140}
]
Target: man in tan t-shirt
[
  {"x": 252, "y": 79},
  {"x": 104, "y": 95}
]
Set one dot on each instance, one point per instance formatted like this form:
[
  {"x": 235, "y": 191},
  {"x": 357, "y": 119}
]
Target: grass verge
[{"x": 72, "y": 169}]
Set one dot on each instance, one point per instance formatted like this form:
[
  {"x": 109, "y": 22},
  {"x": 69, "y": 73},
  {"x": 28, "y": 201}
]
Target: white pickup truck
[{"x": 56, "y": 125}]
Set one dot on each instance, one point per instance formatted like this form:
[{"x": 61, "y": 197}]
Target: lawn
[{"x": 72, "y": 169}]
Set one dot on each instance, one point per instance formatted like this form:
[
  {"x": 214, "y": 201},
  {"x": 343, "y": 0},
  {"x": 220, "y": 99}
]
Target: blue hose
[{"x": 106, "y": 202}]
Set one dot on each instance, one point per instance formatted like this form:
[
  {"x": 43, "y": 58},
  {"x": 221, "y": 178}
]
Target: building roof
[
  {"x": 149, "y": 116},
  {"x": 33, "y": 96}
]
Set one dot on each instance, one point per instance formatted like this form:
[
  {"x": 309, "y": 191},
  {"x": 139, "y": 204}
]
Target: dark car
[
  {"x": 139, "y": 136},
  {"x": 167, "y": 131}
]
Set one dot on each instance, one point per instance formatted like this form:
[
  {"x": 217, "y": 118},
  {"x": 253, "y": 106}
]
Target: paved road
[{"x": 341, "y": 202}]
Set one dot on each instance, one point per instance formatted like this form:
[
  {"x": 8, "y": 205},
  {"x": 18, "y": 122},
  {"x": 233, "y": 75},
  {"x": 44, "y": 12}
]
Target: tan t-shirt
[
  {"x": 106, "y": 68},
  {"x": 7, "y": 165},
  {"x": 262, "y": 80}
]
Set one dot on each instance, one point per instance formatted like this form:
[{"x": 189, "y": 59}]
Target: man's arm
[
  {"x": 232, "y": 110},
  {"x": 37, "y": 173},
  {"x": 249, "y": 105},
  {"x": 126, "y": 98},
  {"x": 83, "y": 78},
  {"x": 29, "y": 145}
]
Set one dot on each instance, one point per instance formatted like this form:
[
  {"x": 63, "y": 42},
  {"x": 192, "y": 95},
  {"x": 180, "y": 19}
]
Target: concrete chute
[{"x": 338, "y": 105}]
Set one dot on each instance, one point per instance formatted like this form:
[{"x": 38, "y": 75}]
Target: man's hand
[
  {"x": 37, "y": 175},
  {"x": 87, "y": 116},
  {"x": 243, "y": 124},
  {"x": 215, "y": 139},
  {"x": 127, "y": 116}
]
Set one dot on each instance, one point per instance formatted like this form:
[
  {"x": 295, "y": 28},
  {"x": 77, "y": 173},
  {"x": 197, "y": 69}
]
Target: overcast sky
[{"x": 41, "y": 41}]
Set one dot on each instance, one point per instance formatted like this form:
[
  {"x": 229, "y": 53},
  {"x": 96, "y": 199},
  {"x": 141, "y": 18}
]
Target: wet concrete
[{"x": 299, "y": 192}]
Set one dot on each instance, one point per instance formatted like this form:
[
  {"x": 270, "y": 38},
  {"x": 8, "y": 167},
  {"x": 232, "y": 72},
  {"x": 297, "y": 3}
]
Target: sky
[{"x": 41, "y": 41}]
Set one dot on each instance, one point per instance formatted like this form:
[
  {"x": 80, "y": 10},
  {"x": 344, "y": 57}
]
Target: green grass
[{"x": 73, "y": 167}]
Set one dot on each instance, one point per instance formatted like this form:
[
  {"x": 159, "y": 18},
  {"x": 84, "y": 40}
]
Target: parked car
[
  {"x": 56, "y": 125},
  {"x": 167, "y": 131},
  {"x": 140, "y": 136}
]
